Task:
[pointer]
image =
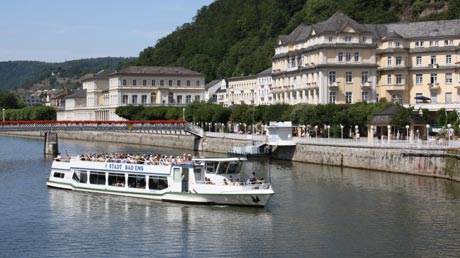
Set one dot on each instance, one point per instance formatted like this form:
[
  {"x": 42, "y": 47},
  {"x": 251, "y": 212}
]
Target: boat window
[
  {"x": 136, "y": 181},
  {"x": 176, "y": 174},
  {"x": 211, "y": 167},
  {"x": 58, "y": 175},
  {"x": 97, "y": 178},
  {"x": 158, "y": 182},
  {"x": 117, "y": 179},
  {"x": 222, "y": 169},
  {"x": 198, "y": 170},
  {"x": 234, "y": 167},
  {"x": 80, "y": 176}
]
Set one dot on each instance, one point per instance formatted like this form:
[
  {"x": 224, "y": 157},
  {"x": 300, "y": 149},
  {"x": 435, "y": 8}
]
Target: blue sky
[{"x": 60, "y": 30}]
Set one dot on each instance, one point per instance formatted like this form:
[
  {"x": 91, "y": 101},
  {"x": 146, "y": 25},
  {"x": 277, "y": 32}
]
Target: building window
[
  {"x": 330, "y": 39},
  {"x": 418, "y": 97},
  {"x": 198, "y": 83},
  {"x": 124, "y": 82},
  {"x": 448, "y": 42},
  {"x": 364, "y": 76},
  {"x": 144, "y": 82},
  {"x": 448, "y": 78},
  {"x": 364, "y": 39},
  {"x": 348, "y": 77},
  {"x": 396, "y": 99},
  {"x": 356, "y": 56},
  {"x": 340, "y": 57},
  {"x": 178, "y": 83},
  {"x": 418, "y": 60},
  {"x": 434, "y": 78},
  {"x": 398, "y": 61},
  {"x": 364, "y": 96},
  {"x": 434, "y": 97},
  {"x": 153, "y": 82},
  {"x": 332, "y": 97},
  {"x": 398, "y": 44},
  {"x": 153, "y": 98},
  {"x": 134, "y": 82},
  {"x": 399, "y": 79},
  {"x": 433, "y": 43},
  {"x": 179, "y": 99},
  {"x": 448, "y": 97},
  {"x": 124, "y": 99},
  {"x": 389, "y": 61},
  {"x": 419, "y": 43},
  {"x": 348, "y": 57},
  {"x": 419, "y": 79},
  {"x": 332, "y": 76},
  {"x": 188, "y": 82},
  {"x": 348, "y": 97},
  {"x": 347, "y": 38},
  {"x": 389, "y": 79},
  {"x": 188, "y": 99},
  {"x": 170, "y": 83},
  {"x": 134, "y": 99},
  {"x": 144, "y": 99},
  {"x": 433, "y": 60},
  {"x": 162, "y": 83},
  {"x": 390, "y": 43},
  {"x": 197, "y": 98},
  {"x": 448, "y": 59}
]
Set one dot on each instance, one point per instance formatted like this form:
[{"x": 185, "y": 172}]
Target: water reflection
[{"x": 192, "y": 228}]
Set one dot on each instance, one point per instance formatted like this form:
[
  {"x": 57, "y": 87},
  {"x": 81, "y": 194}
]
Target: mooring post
[{"x": 51, "y": 143}]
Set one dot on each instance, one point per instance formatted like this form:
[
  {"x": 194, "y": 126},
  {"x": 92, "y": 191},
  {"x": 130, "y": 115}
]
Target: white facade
[{"x": 146, "y": 86}]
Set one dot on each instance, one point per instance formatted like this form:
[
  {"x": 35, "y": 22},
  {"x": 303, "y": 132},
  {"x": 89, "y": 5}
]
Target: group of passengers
[{"x": 147, "y": 159}]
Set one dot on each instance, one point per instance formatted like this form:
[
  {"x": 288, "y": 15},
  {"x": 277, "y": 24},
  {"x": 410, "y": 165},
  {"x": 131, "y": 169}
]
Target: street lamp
[
  {"x": 448, "y": 133},
  {"x": 341, "y": 132},
  {"x": 3, "y": 112},
  {"x": 356, "y": 132},
  {"x": 389, "y": 133},
  {"x": 372, "y": 135},
  {"x": 183, "y": 114},
  {"x": 328, "y": 130},
  {"x": 427, "y": 130},
  {"x": 316, "y": 132},
  {"x": 407, "y": 133}
]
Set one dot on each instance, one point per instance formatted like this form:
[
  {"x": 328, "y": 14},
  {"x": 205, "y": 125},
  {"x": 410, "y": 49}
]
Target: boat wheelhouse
[{"x": 200, "y": 180}]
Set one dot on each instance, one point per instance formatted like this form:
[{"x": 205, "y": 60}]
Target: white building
[
  {"x": 264, "y": 87},
  {"x": 134, "y": 85},
  {"x": 212, "y": 88}
]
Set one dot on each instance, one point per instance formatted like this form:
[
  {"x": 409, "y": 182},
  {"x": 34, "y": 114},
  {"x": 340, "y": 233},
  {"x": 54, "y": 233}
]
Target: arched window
[
  {"x": 396, "y": 99},
  {"x": 153, "y": 98}
]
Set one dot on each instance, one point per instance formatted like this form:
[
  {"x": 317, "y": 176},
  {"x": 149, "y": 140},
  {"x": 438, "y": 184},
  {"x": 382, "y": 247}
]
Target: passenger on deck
[
  {"x": 252, "y": 178},
  {"x": 230, "y": 178},
  {"x": 58, "y": 157}
]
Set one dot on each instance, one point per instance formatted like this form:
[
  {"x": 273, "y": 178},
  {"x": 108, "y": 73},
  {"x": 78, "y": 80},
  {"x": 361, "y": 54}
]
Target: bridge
[{"x": 49, "y": 128}]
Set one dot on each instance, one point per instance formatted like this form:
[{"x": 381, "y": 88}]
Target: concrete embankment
[{"x": 441, "y": 163}]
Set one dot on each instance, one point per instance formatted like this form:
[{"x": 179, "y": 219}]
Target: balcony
[
  {"x": 334, "y": 84},
  {"x": 366, "y": 84},
  {"x": 395, "y": 87},
  {"x": 311, "y": 85},
  {"x": 433, "y": 86},
  {"x": 433, "y": 65}
]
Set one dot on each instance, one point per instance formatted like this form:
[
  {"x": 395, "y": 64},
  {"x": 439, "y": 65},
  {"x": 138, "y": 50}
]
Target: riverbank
[{"x": 441, "y": 163}]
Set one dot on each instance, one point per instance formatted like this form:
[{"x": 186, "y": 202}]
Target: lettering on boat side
[{"x": 126, "y": 167}]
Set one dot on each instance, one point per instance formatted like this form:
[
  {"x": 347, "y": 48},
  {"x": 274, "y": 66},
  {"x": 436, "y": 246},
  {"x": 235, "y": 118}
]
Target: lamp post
[
  {"x": 407, "y": 133},
  {"x": 389, "y": 133},
  {"x": 341, "y": 132},
  {"x": 427, "y": 130},
  {"x": 183, "y": 114},
  {"x": 316, "y": 132},
  {"x": 448, "y": 133},
  {"x": 372, "y": 135},
  {"x": 328, "y": 130},
  {"x": 3, "y": 112},
  {"x": 356, "y": 132}
]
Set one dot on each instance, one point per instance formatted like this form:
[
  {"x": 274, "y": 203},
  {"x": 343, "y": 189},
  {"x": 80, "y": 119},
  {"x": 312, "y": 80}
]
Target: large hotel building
[{"x": 342, "y": 61}]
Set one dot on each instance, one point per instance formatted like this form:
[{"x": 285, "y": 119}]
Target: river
[{"x": 317, "y": 211}]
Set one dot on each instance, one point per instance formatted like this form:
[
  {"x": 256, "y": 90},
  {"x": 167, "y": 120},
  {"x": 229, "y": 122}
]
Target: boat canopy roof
[{"x": 221, "y": 159}]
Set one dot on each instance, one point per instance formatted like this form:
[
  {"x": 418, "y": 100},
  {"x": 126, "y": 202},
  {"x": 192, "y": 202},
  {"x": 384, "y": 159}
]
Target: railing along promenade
[
  {"x": 153, "y": 126},
  {"x": 431, "y": 143}
]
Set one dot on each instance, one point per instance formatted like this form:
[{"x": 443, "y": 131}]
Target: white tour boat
[{"x": 199, "y": 180}]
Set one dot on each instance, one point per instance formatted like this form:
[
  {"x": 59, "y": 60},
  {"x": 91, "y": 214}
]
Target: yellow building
[{"x": 342, "y": 61}]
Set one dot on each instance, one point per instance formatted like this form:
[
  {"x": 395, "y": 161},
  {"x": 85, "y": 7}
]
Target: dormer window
[
  {"x": 330, "y": 39},
  {"x": 347, "y": 38}
]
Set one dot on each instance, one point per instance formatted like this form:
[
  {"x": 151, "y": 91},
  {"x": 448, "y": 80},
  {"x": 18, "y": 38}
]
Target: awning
[{"x": 422, "y": 98}]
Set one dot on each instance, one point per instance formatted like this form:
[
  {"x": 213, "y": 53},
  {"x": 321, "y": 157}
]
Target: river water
[{"x": 317, "y": 211}]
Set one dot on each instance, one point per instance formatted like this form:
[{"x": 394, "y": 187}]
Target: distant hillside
[
  {"x": 237, "y": 37},
  {"x": 25, "y": 74}
]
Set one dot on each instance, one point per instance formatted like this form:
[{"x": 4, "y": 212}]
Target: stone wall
[{"x": 433, "y": 162}]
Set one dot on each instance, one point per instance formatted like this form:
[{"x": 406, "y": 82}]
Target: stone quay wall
[{"x": 440, "y": 163}]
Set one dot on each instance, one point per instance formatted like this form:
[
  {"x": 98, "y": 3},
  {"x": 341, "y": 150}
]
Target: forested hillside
[
  {"x": 237, "y": 37},
  {"x": 24, "y": 74}
]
